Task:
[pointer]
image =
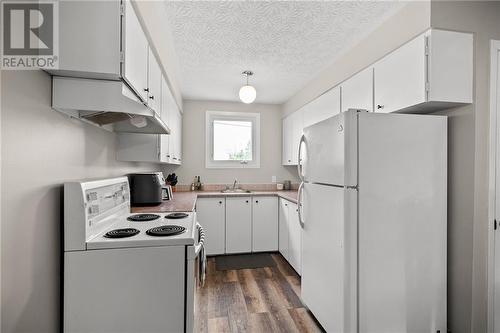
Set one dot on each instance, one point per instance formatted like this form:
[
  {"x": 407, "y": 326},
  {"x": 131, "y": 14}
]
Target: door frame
[{"x": 494, "y": 134}]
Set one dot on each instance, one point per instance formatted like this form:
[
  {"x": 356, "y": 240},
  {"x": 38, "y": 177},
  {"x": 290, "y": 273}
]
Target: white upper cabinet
[
  {"x": 293, "y": 126},
  {"x": 400, "y": 77},
  {"x": 450, "y": 66},
  {"x": 286, "y": 139},
  {"x": 135, "y": 53},
  {"x": 431, "y": 72},
  {"x": 323, "y": 107},
  {"x": 82, "y": 41},
  {"x": 112, "y": 45},
  {"x": 175, "y": 140},
  {"x": 357, "y": 92},
  {"x": 166, "y": 110},
  {"x": 154, "y": 82},
  {"x": 297, "y": 131}
]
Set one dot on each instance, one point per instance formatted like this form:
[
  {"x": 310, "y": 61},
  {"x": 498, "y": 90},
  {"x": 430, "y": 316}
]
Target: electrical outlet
[{"x": 273, "y": 179}]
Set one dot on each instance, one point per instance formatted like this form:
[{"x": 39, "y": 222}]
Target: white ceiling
[{"x": 285, "y": 43}]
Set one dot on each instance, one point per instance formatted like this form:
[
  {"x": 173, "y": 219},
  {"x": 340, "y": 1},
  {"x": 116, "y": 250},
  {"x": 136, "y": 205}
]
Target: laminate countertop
[{"x": 186, "y": 201}]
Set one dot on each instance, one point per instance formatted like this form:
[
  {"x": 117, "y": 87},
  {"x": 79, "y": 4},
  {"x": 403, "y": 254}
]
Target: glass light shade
[{"x": 247, "y": 94}]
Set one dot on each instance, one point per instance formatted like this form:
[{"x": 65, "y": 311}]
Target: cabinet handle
[
  {"x": 246, "y": 201},
  {"x": 380, "y": 106},
  {"x": 256, "y": 201},
  {"x": 146, "y": 89},
  {"x": 168, "y": 155},
  {"x": 151, "y": 97},
  {"x": 286, "y": 205},
  {"x": 289, "y": 160},
  {"x": 220, "y": 202}
]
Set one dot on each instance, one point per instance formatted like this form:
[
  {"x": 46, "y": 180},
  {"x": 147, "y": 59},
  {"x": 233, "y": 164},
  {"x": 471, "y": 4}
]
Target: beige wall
[
  {"x": 193, "y": 137},
  {"x": 482, "y": 18}
]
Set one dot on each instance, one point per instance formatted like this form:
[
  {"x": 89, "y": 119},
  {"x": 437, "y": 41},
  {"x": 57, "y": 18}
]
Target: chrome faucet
[{"x": 234, "y": 184}]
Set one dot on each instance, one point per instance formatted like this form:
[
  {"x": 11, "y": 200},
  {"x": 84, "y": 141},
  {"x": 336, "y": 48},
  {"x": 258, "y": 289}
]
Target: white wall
[
  {"x": 193, "y": 142},
  {"x": 469, "y": 229},
  {"x": 41, "y": 149}
]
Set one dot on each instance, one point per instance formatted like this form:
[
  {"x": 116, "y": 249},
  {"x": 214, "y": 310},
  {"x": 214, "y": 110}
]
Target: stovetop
[{"x": 144, "y": 231}]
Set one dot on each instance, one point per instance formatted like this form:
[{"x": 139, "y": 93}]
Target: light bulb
[{"x": 248, "y": 94}]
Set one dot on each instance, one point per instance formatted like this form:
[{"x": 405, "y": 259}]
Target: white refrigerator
[{"x": 373, "y": 208}]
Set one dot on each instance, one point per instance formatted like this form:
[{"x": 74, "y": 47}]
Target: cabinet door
[
  {"x": 179, "y": 136},
  {"x": 154, "y": 82},
  {"x": 175, "y": 144},
  {"x": 357, "y": 92},
  {"x": 294, "y": 238},
  {"x": 135, "y": 68},
  {"x": 286, "y": 142},
  {"x": 211, "y": 214},
  {"x": 264, "y": 224},
  {"x": 323, "y": 107},
  {"x": 238, "y": 224},
  {"x": 165, "y": 108},
  {"x": 283, "y": 229},
  {"x": 297, "y": 130},
  {"x": 400, "y": 77}
]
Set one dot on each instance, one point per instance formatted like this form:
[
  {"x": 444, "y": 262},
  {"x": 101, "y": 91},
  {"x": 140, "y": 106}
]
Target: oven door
[{"x": 195, "y": 276}]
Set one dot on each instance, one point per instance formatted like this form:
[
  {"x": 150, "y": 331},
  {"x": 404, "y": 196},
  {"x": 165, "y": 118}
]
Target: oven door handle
[
  {"x": 202, "y": 257},
  {"x": 201, "y": 241}
]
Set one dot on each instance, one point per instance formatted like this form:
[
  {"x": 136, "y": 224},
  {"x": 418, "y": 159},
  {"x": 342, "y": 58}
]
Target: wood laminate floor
[{"x": 252, "y": 300}]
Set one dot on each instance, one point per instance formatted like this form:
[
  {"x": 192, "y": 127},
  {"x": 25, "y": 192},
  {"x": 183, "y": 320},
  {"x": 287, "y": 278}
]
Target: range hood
[{"x": 108, "y": 104}]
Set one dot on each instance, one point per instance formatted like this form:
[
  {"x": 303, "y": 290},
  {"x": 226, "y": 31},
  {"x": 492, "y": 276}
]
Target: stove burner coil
[
  {"x": 143, "y": 217},
  {"x": 176, "y": 216},
  {"x": 121, "y": 233},
  {"x": 166, "y": 230}
]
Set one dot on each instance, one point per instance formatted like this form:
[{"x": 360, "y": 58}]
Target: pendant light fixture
[{"x": 247, "y": 92}]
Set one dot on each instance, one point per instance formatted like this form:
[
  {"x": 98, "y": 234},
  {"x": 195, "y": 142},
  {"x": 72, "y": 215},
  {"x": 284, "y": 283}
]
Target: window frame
[{"x": 210, "y": 116}]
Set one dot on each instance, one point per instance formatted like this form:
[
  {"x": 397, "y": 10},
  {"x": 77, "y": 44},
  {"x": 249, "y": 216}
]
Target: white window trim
[{"x": 245, "y": 116}]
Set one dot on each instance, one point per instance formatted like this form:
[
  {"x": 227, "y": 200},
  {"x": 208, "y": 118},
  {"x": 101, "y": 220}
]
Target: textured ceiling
[{"x": 286, "y": 43}]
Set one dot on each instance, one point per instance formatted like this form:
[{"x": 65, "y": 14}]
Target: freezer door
[
  {"x": 329, "y": 256},
  {"x": 329, "y": 151}
]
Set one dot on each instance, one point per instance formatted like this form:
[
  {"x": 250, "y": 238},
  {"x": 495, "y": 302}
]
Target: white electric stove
[{"x": 127, "y": 272}]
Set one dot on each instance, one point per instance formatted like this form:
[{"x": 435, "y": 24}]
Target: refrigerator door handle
[
  {"x": 299, "y": 204},
  {"x": 299, "y": 158}
]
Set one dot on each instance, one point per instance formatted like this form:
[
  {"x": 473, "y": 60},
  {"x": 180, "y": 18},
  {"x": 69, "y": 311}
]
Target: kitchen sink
[{"x": 237, "y": 190}]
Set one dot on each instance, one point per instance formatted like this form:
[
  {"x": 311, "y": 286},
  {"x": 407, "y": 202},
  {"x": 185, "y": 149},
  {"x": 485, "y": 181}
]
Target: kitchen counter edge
[{"x": 186, "y": 201}]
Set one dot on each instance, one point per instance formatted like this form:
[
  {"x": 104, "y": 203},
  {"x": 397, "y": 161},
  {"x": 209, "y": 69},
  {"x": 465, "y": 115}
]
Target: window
[{"x": 232, "y": 139}]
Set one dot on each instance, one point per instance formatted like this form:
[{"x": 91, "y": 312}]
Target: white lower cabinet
[
  {"x": 238, "y": 224},
  {"x": 211, "y": 213},
  {"x": 264, "y": 224},
  {"x": 294, "y": 238},
  {"x": 283, "y": 228},
  {"x": 290, "y": 234}
]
